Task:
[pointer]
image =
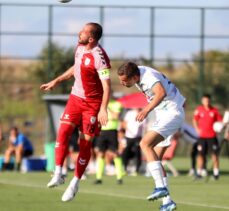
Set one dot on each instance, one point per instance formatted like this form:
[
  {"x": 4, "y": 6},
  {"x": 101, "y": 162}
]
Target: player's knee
[
  {"x": 65, "y": 132},
  {"x": 143, "y": 144},
  {"x": 85, "y": 145}
]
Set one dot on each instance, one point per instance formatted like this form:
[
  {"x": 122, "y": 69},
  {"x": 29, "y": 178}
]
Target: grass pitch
[{"x": 28, "y": 192}]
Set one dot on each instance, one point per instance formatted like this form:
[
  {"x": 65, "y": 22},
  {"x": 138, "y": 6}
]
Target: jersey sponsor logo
[
  {"x": 87, "y": 61},
  {"x": 66, "y": 116},
  {"x": 93, "y": 119}
]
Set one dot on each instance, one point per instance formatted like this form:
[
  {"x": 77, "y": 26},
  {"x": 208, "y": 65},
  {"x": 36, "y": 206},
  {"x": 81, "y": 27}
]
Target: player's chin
[{"x": 128, "y": 86}]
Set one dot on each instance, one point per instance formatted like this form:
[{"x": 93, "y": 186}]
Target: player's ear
[
  {"x": 91, "y": 39},
  {"x": 136, "y": 77}
]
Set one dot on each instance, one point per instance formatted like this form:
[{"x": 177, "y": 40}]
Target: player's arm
[
  {"x": 159, "y": 95},
  {"x": 195, "y": 121},
  {"x": 52, "y": 84},
  {"x": 102, "y": 115}
]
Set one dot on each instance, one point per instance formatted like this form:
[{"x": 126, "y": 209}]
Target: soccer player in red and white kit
[
  {"x": 86, "y": 108},
  {"x": 205, "y": 116}
]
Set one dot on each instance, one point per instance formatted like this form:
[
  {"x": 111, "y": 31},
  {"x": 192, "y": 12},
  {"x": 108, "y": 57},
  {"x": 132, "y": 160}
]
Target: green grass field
[{"x": 28, "y": 192}]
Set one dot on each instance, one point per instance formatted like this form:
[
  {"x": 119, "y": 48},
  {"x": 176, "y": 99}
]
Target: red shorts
[{"x": 83, "y": 113}]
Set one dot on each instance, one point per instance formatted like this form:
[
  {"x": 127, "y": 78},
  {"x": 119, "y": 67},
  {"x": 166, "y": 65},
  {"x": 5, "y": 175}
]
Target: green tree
[{"x": 53, "y": 61}]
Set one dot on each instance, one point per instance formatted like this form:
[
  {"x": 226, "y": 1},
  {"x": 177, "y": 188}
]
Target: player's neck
[
  {"x": 207, "y": 107},
  {"x": 90, "y": 46}
]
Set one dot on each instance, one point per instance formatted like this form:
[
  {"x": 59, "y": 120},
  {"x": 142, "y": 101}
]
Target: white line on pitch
[{"x": 111, "y": 194}]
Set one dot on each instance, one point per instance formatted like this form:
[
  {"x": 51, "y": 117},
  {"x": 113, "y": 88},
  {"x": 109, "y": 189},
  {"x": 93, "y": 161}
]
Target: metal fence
[{"x": 152, "y": 33}]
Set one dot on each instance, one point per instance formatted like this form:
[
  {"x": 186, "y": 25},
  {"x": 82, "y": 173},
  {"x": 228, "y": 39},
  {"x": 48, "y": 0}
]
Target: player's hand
[
  {"x": 142, "y": 115},
  {"x": 103, "y": 117},
  {"x": 48, "y": 86}
]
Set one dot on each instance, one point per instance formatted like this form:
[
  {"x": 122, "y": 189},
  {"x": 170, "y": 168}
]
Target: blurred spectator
[
  {"x": 204, "y": 118},
  {"x": 189, "y": 134},
  {"x": 133, "y": 134},
  {"x": 107, "y": 143},
  {"x": 19, "y": 146}
]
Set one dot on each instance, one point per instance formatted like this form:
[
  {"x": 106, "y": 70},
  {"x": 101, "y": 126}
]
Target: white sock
[
  {"x": 74, "y": 182},
  {"x": 199, "y": 171},
  {"x": 215, "y": 171},
  {"x": 64, "y": 171},
  {"x": 166, "y": 199},
  {"x": 155, "y": 170},
  {"x": 58, "y": 170}
]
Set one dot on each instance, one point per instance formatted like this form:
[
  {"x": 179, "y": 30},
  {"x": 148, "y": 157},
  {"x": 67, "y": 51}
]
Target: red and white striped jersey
[{"x": 87, "y": 65}]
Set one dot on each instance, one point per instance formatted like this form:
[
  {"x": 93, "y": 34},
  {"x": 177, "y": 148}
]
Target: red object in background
[
  {"x": 134, "y": 100},
  {"x": 170, "y": 151}
]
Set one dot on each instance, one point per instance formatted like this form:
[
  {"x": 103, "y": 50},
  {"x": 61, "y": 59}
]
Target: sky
[
  {"x": 214, "y": 3},
  {"x": 116, "y": 21}
]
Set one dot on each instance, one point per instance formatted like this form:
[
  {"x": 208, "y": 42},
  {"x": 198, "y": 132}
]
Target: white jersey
[{"x": 149, "y": 77}]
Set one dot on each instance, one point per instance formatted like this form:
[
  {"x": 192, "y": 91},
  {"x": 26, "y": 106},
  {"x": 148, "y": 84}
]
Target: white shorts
[{"x": 166, "y": 122}]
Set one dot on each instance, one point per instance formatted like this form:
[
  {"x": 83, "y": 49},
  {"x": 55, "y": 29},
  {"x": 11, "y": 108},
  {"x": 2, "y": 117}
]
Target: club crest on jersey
[
  {"x": 93, "y": 119},
  {"x": 87, "y": 61}
]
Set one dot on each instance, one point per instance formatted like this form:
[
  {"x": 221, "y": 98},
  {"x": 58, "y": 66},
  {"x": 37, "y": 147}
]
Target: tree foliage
[{"x": 53, "y": 61}]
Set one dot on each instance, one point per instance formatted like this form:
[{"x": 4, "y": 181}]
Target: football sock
[
  {"x": 155, "y": 170},
  {"x": 74, "y": 182},
  {"x": 18, "y": 166},
  {"x": 215, "y": 171},
  {"x": 58, "y": 170},
  {"x": 83, "y": 157},
  {"x": 118, "y": 167},
  {"x": 64, "y": 171},
  {"x": 100, "y": 165},
  {"x": 167, "y": 199},
  {"x": 62, "y": 142}
]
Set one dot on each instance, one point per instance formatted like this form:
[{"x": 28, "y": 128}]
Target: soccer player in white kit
[{"x": 167, "y": 103}]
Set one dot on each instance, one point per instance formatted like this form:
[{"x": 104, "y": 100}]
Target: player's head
[
  {"x": 91, "y": 33},
  {"x": 128, "y": 74},
  {"x": 14, "y": 131},
  {"x": 206, "y": 100}
]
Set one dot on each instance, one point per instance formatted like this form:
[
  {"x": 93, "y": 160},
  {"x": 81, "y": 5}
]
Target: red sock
[
  {"x": 83, "y": 157},
  {"x": 61, "y": 149}
]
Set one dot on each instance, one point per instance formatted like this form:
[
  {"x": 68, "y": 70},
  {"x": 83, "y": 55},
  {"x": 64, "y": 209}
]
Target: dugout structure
[{"x": 55, "y": 107}]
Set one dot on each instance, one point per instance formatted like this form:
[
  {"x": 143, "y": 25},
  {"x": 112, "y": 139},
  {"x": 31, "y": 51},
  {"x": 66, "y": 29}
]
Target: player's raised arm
[{"x": 52, "y": 84}]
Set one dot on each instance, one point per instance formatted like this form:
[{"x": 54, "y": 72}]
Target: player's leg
[
  {"x": 167, "y": 202},
  {"x": 202, "y": 153},
  {"x": 167, "y": 122},
  {"x": 193, "y": 156},
  {"x": 147, "y": 144},
  {"x": 61, "y": 149},
  {"x": 126, "y": 153},
  {"x": 9, "y": 151},
  {"x": 101, "y": 142},
  {"x": 214, "y": 150},
  {"x": 19, "y": 151},
  {"x": 81, "y": 164},
  {"x": 137, "y": 154},
  {"x": 113, "y": 151},
  {"x": 89, "y": 129},
  {"x": 69, "y": 120}
]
